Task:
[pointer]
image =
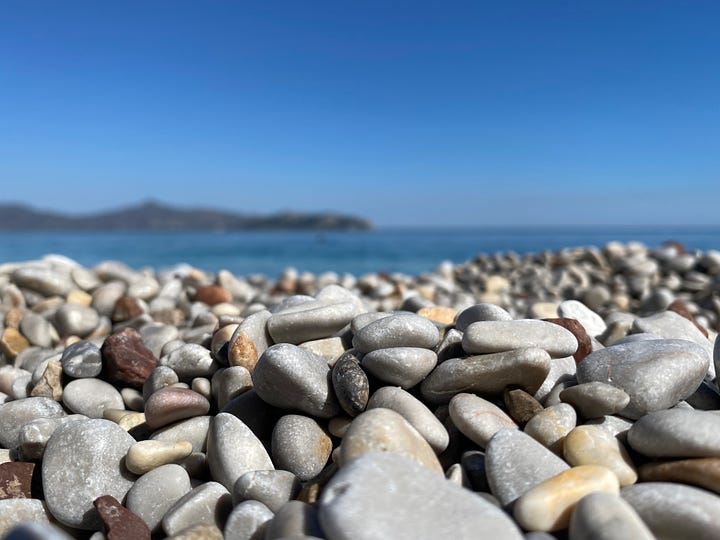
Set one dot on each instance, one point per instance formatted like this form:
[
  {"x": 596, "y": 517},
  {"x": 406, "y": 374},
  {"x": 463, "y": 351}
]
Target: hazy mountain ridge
[{"x": 153, "y": 216}]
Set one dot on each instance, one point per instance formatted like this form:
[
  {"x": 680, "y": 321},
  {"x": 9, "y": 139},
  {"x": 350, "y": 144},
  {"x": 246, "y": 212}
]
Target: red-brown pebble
[
  {"x": 16, "y": 480},
  {"x": 126, "y": 358},
  {"x": 578, "y": 330},
  {"x": 126, "y": 308},
  {"x": 212, "y": 294},
  {"x": 169, "y": 405},
  {"x": 119, "y": 522},
  {"x": 520, "y": 405}
]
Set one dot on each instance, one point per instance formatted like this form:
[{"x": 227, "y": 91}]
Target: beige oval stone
[
  {"x": 383, "y": 430},
  {"x": 549, "y": 505},
  {"x": 441, "y": 314},
  {"x": 592, "y": 445},
  {"x": 145, "y": 456},
  {"x": 12, "y": 342},
  {"x": 132, "y": 420},
  {"x": 242, "y": 351},
  {"x": 78, "y": 296},
  {"x": 550, "y": 426}
]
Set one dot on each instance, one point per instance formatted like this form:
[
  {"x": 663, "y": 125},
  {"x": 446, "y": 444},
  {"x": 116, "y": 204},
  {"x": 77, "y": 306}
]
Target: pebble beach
[{"x": 565, "y": 394}]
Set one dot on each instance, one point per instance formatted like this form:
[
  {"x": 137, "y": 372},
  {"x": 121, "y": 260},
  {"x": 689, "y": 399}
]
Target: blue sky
[{"x": 409, "y": 113}]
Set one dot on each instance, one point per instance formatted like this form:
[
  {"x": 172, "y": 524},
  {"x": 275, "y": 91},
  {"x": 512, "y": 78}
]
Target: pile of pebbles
[{"x": 556, "y": 395}]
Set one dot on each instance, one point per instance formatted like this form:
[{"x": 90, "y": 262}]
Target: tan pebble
[
  {"x": 69, "y": 340},
  {"x": 132, "y": 420},
  {"x": 13, "y": 318},
  {"x": 199, "y": 532},
  {"x": 338, "y": 425},
  {"x": 549, "y": 505},
  {"x": 202, "y": 386},
  {"x": 592, "y": 445},
  {"x": 221, "y": 337},
  {"x": 50, "y": 383},
  {"x": 703, "y": 472},
  {"x": 550, "y": 426},
  {"x": 115, "y": 415},
  {"x": 441, "y": 314},
  {"x": 5, "y": 455},
  {"x": 145, "y": 456},
  {"x": 12, "y": 343},
  {"x": 243, "y": 352},
  {"x": 226, "y": 309},
  {"x": 78, "y": 296},
  {"x": 384, "y": 430}
]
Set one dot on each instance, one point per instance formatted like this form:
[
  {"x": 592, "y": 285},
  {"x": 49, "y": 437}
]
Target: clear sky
[{"x": 406, "y": 112}]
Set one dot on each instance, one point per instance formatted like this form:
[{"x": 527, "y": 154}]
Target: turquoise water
[{"x": 411, "y": 251}]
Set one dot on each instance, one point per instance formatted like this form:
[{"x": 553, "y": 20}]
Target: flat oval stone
[
  {"x": 15, "y": 414},
  {"x": 247, "y": 521},
  {"x": 207, "y": 504},
  {"x": 289, "y": 377},
  {"x": 272, "y": 488},
  {"x": 81, "y": 359},
  {"x": 593, "y": 323},
  {"x": 515, "y": 462},
  {"x": 387, "y": 431},
  {"x": 403, "y": 330},
  {"x": 76, "y": 320},
  {"x": 487, "y": 337},
  {"x": 675, "y": 511},
  {"x": 309, "y": 321},
  {"x": 477, "y": 418},
  {"x": 487, "y": 374},
  {"x": 383, "y": 495},
  {"x": 595, "y": 399},
  {"x": 677, "y": 433},
  {"x": 592, "y": 445},
  {"x": 403, "y": 366},
  {"x": 550, "y": 426},
  {"x": 155, "y": 492},
  {"x": 249, "y": 340},
  {"x": 189, "y": 361},
  {"x": 350, "y": 384},
  {"x": 655, "y": 374},
  {"x": 46, "y": 281},
  {"x": 170, "y": 404},
  {"x": 480, "y": 312},
  {"x": 301, "y": 446},
  {"x": 91, "y": 397},
  {"x": 549, "y": 505},
  {"x": 233, "y": 450},
  {"x": 83, "y": 460},
  {"x": 38, "y": 330},
  {"x": 605, "y": 516},
  {"x": 127, "y": 360},
  {"x": 414, "y": 411},
  {"x": 702, "y": 472},
  {"x": 144, "y": 456}
]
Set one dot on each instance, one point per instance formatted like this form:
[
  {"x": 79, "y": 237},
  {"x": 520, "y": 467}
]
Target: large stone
[
  {"x": 592, "y": 445},
  {"x": 84, "y": 460},
  {"x": 14, "y": 512},
  {"x": 606, "y": 516},
  {"x": 155, "y": 492},
  {"x": 382, "y": 495},
  {"x": 486, "y": 337},
  {"x": 91, "y": 397},
  {"x": 290, "y": 377},
  {"x": 301, "y": 446},
  {"x": 655, "y": 374},
  {"x": 402, "y": 330},
  {"x": 402, "y": 366},
  {"x": 677, "y": 433},
  {"x": 309, "y": 321}
]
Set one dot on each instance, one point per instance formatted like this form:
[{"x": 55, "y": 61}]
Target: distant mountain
[{"x": 154, "y": 216}]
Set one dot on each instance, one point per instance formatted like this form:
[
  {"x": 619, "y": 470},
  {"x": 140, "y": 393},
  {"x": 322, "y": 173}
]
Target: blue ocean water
[{"x": 410, "y": 251}]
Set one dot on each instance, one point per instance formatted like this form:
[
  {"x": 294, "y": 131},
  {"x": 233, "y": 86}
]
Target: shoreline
[{"x": 179, "y": 401}]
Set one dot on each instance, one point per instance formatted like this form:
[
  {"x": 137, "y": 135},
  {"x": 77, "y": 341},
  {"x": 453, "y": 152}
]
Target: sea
[{"x": 410, "y": 251}]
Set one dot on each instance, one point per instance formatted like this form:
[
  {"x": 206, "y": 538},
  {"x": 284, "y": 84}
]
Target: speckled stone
[
  {"x": 655, "y": 374},
  {"x": 592, "y": 445},
  {"x": 233, "y": 450},
  {"x": 16, "y": 480},
  {"x": 549, "y": 505},
  {"x": 91, "y": 397},
  {"x": 83, "y": 461},
  {"x": 301, "y": 446},
  {"x": 383, "y": 495},
  {"x": 675, "y": 511},
  {"x": 605, "y": 516},
  {"x": 155, "y": 492},
  {"x": 478, "y": 419},
  {"x": 247, "y": 521},
  {"x": 249, "y": 340},
  {"x": 415, "y": 412},
  {"x": 82, "y": 359},
  {"x": 595, "y": 399},
  {"x": 14, "y": 414},
  {"x": 309, "y": 321},
  {"x": 387, "y": 431},
  {"x": 14, "y": 512},
  {"x": 487, "y": 374},
  {"x": 487, "y": 337},
  {"x": 401, "y": 366},
  {"x": 677, "y": 433},
  {"x": 402, "y": 330},
  {"x": 350, "y": 384},
  {"x": 34, "y": 435},
  {"x": 118, "y": 522},
  {"x": 515, "y": 462},
  {"x": 289, "y": 377}
]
